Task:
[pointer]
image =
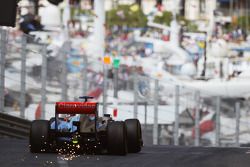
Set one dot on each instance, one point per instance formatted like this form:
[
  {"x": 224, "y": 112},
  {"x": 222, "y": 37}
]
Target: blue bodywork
[{"x": 67, "y": 126}]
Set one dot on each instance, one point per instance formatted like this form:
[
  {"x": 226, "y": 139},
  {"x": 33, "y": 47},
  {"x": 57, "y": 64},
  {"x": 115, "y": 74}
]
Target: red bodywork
[{"x": 76, "y": 107}]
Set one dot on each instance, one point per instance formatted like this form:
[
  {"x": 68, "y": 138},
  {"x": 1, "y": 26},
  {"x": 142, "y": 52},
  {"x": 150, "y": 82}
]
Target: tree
[
  {"x": 164, "y": 18},
  {"x": 126, "y": 15}
]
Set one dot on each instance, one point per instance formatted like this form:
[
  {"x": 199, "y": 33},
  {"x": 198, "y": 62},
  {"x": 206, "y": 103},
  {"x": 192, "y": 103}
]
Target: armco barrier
[{"x": 14, "y": 127}]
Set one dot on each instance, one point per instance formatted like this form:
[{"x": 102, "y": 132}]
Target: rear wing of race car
[{"x": 76, "y": 108}]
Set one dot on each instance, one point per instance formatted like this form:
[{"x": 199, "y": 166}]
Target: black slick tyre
[
  {"x": 134, "y": 136},
  {"x": 39, "y": 136},
  {"x": 116, "y": 138}
]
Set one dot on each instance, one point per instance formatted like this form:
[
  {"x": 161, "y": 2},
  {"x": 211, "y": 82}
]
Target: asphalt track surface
[{"x": 16, "y": 153}]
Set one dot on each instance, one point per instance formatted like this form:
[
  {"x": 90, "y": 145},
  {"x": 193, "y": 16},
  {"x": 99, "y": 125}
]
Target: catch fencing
[{"x": 35, "y": 75}]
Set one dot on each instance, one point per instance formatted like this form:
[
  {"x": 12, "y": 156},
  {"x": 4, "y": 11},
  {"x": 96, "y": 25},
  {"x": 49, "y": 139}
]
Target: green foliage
[
  {"x": 244, "y": 22},
  {"x": 122, "y": 15},
  {"x": 228, "y": 27},
  {"x": 192, "y": 27},
  {"x": 188, "y": 25},
  {"x": 165, "y": 18}
]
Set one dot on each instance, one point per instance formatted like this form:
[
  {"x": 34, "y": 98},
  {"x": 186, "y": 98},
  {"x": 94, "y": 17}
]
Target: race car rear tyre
[
  {"x": 39, "y": 136},
  {"x": 52, "y": 120},
  {"x": 134, "y": 136},
  {"x": 117, "y": 138}
]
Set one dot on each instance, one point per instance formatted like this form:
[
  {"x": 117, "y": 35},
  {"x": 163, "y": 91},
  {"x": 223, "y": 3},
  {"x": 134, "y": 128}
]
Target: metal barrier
[{"x": 15, "y": 127}]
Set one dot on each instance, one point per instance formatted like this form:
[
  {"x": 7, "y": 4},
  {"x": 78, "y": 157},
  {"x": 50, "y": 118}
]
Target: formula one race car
[{"x": 82, "y": 130}]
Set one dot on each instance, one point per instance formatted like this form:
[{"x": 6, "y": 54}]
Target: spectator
[
  {"x": 182, "y": 140},
  {"x": 165, "y": 136},
  {"x": 30, "y": 22}
]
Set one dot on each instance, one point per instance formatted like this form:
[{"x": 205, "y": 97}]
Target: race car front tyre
[
  {"x": 39, "y": 136},
  {"x": 134, "y": 136},
  {"x": 116, "y": 138}
]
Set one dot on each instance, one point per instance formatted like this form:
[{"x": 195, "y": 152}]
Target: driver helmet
[{"x": 91, "y": 117}]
